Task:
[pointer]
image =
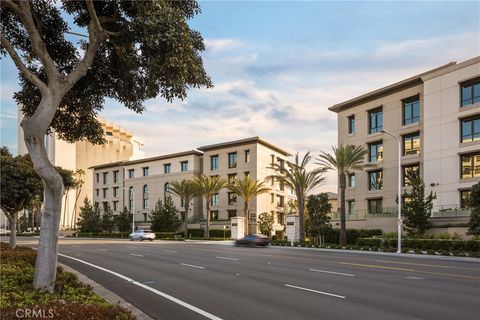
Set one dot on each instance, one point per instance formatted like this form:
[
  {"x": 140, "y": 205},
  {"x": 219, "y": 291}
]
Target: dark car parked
[{"x": 253, "y": 240}]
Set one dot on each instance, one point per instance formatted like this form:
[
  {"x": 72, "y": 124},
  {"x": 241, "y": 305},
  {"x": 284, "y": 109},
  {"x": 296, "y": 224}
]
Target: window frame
[
  {"x": 378, "y": 177},
  {"x": 216, "y": 161},
  {"x": 215, "y": 203},
  {"x": 232, "y": 164},
  {"x": 184, "y": 165},
  {"x": 472, "y": 155},
  {"x": 411, "y": 102},
  {"x": 378, "y": 145},
  {"x": 247, "y": 155},
  {"x": 472, "y": 121},
  {"x": 369, "y": 206},
  {"x": 351, "y": 124},
  {"x": 472, "y": 84},
  {"x": 405, "y": 181},
  {"x": 145, "y": 171},
  {"x": 377, "y": 111},
  {"x": 165, "y": 166},
  {"x": 409, "y": 136},
  {"x": 350, "y": 180},
  {"x": 131, "y": 173}
]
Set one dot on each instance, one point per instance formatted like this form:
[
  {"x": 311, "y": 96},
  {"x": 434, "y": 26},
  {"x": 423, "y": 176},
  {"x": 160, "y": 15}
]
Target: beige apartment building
[
  {"x": 139, "y": 184},
  {"x": 436, "y": 117}
]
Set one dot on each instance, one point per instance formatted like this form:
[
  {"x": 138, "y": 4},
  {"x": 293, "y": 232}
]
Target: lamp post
[
  {"x": 399, "y": 222},
  {"x": 133, "y": 204}
]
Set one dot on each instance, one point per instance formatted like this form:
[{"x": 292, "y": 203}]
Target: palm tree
[
  {"x": 247, "y": 188},
  {"x": 208, "y": 186},
  {"x": 186, "y": 190},
  {"x": 345, "y": 159},
  {"x": 299, "y": 179}
]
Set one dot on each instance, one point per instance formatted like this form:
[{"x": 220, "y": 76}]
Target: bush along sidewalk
[{"x": 71, "y": 300}]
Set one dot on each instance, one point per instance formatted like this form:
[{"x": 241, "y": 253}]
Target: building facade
[
  {"x": 138, "y": 185},
  {"x": 436, "y": 117}
]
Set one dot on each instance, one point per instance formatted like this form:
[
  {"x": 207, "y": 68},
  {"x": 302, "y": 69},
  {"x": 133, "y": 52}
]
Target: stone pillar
[
  {"x": 293, "y": 228},
  {"x": 238, "y": 227}
]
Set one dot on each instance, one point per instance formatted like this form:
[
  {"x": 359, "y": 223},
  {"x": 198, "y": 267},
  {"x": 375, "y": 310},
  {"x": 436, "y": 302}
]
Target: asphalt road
[{"x": 175, "y": 280}]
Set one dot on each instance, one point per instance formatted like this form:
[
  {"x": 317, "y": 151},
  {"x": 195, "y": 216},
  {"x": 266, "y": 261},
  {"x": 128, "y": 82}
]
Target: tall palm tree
[
  {"x": 185, "y": 190},
  {"x": 345, "y": 159},
  {"x": 208, "y": 186},
  {"x": 247, "y": 188},
  {"x": 302, "y": 181}
]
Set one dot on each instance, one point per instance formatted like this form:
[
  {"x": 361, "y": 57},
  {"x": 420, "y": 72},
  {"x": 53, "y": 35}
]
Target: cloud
[{"x": 217, "y": 45}]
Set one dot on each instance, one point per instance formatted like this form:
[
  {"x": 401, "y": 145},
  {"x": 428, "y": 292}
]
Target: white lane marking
[
  {"x": 158, "y": 292},
  {"x": 415, "y": 278},
  {"x": 131, "y": 247},
  {"x": 191, "y": 265},
  {"x": 338, "y": 273},
  {"x": 227, "y": 258},
  {"x": 316, "y": 291},
  {"x": 102, "y": 249},
  {"x": 172, "y": 251},
  {"x": 136, "y": 255}
]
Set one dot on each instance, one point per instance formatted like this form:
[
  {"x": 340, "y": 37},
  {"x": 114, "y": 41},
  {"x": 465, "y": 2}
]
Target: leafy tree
[
  {"x": 265, "y": 223},
  {"x": 208, "y": 186},
  {"x": 186, "y": 190},
  {"x": 20, "y": 185},
  {"x": 417, "y": 211},
  {"x": 136, "y": 50},
  {"x": 90, "y": 217},
  {"x": 474, "y": 203},
  {"x": 318, "y": 208},
  {"x": 345, "y": 159},
  {"x": 297, "y": 177},
  {"x": 123, "y": 220},
  {"x": 164, "y": 217},
  {"x": 23, "y": 223},
  {"x": 247, "y": 188},
  {"x": 108, "y": 220}
]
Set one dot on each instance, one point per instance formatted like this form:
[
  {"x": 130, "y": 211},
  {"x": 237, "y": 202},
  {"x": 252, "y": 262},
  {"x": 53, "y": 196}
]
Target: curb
[{"x": 107, "y": 294}]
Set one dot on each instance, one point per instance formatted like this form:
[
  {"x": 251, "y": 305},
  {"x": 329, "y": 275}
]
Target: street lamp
[
  {"x": 133, "y": 204},
  {"x": 399, "y": 222}
]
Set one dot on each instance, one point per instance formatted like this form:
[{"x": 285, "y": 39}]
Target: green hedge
[
  {"x": 333, "y": 235},
  {"x": 198, "y": 233},
  {"x": 114, "y": 235},
  {"x": 423, "y": 244},
  {"x": 168, "y": 235}
]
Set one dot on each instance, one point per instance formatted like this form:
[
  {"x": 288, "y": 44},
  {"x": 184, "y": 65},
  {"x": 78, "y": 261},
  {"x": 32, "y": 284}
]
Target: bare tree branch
[
  {"x": 93, "y": 15},
  {"x": 32, "y": 77}
]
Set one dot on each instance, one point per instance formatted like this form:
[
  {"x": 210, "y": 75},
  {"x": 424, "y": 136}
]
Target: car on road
[
  {"x": 253, "y": 240},
  {"x": 142, "y": 235}
]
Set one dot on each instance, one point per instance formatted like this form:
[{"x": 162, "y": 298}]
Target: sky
[{"x": 278, "y": 65}]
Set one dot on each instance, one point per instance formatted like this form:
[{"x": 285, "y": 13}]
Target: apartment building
[
  {"x": 436, "y": 117},
  {"x": 139, "y": 184}
]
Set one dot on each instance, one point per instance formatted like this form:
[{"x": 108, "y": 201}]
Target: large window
[
  {"x": 375, "y": 206},
  {"x": 232, "y": 213},
  {"x": 184, "y": 166},
  {"x": 464, "y": 194},
  {"x": 351, "y": 124},
  {"x": 375, "y": 120},
  {"x": 470, "y": 165},
  {"x": 131, "y": 173},
  {"x": 232, "y": 177},
  {"x": 97, "y": 177},
  {"x": 115, "y": 191},
  {"x": 214, "y": 215},
  {"x": 375, "y": 151},
  {"x": 214, "y": 200},
  {"x": 214, "y": 163},
  {"x": 471, "y": 92},
  {"x": 247, "y": 156},
  {"x": 145, "y": 196},
  {"x": 411, "y": 110},
  {"x": 105, "y": 177},
  {"x": 471, "y": 129},
  {"x": 411, "y": 144},
  {"x": 167, "y": 168},
  {"x": 280, "y": 201},
  {"x": 375, "y": 180},
  {"x": 115, "y": 176},
  {"x": 232, "y": 160},
  {"x": 351, "y": 180},
  {"x": 115, "y": 205},
  {"x": 232, "y": 198},
  {"x": 350, "y": 207},
  {"x": 105, "y": 192},
  {"x": 409, "y": 172},
  {"x": 145, "y": 171}
]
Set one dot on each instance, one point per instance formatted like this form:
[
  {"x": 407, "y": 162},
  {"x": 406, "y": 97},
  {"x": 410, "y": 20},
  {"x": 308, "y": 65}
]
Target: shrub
[
  {"x": 423, "y": 244},
  {"x": 198, "y": 233},
  {"x": 333, "y": 235}
]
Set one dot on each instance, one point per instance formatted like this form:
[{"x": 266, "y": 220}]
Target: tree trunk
[
  {"x": 247, "y": 218},
  {"x": 343, "y": 224},
  {"x": 187, "y": 206},
  {"x": 13, "y": 230},
  {"x": 206, "y": 233},
  {"x": 301, "y": 217},
  {"x": 65, "y": 209}
]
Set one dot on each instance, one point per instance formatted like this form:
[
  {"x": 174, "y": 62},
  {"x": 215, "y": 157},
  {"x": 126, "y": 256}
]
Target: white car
[{"x": 142, "y": 235}]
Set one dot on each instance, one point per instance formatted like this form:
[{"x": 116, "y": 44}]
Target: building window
[
  {"x": 232, "y": 160},
  {"x": 115, "y": 191},
  {"x": 97, "y": 192},
  {"x": 411, "y": 110},
  {"x": 145, "y": 196},
  {"x": 375, "y": 120},
  {"x": 131, "y": 173},
  {"x": 115, "y": 176},
  {"x": 232, "y": 198},
  {"x": 183, "y": 166},
  {"x": 410, "y": 172},
  {"x": 232, "y": 177},
  {"x": 280, "y": 201},
  {"x": 214, "y": 163},
  {"x": 108, "y": 133},
  {"x": 167, "y": 168},
  {"x": 214, "y": 215},
  {"x": 232, "y": 213},
  {"x": 471, "y": 92},
  {"x": 350, "y": 207},
  {"x": 411, "y": 144},
  {"x": 115, "y": 205},
  {"x": 105, "y": 177},
  {"x": 130, "y": 198},
  {"x": 105, "y": 192},
  {"x": 351, "y": 124},
  {"x": 145, "y": 171},
  {"x": 105, "y": 206},
  {"x": 247, "y": 156},
  {"x": 272, "y": 197},
  {"x": 375, "y": 151},
  {"x": 464, "y": 194},
  {"x": 470, "y": 129},
  {"x": 214, "y": 200},
  {"x": 97, "y": 177},
  {"x": 351, "y": 180},
  {"x": 375, "y": 206},
  {"x": 375, "y": 180},
  {"x": 470, "y": 165}
]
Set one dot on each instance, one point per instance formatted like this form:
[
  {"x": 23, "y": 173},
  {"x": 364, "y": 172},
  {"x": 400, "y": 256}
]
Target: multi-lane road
[{"x": 175, "y": 280}]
